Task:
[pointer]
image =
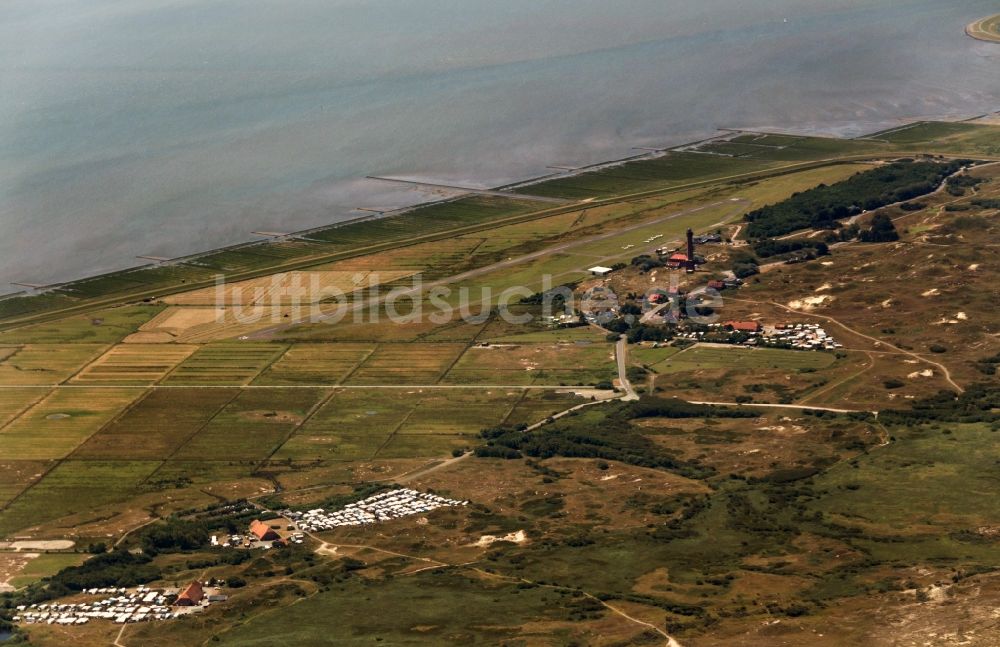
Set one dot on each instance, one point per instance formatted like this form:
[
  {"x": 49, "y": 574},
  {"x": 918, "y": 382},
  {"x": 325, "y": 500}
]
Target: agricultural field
[
  {"x": 575, "y": 363},
  {"x": 751, "y": 359},
  {"x": 350, "y": 426},
  {"x": 17, "y": 475},
  {"x": 415, "y": 363},
  {"x": 225, "y": 364},
  {"x": 650, "y": 357},
  {"x": 157, "y": 425},
  {"x": 417, "y": 258},
  {"x": 133, "y": 364},
  {"x": 13, "y": 402},
  {"x": 536, "y": 405},
  {"x": 495, "y": 334},
  {"x": 310, "y": 364},
  {"x": 174, "y": 323},
  {"x": 251, "y": 426},
  {"x": 458, "y": 412},
  {"x": 63, "y": 420},
  {"x": 43, "y": 364},
  {"x": 295, "y": 287},
  {"x": 101, "y": 327},
  {"x": 360, "y": 424},
  {"x": 374, "y": 326},
  {"x": 71, "y": 488}
]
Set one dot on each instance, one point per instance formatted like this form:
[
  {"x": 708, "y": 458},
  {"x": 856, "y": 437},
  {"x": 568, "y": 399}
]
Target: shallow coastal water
[{"x": 166, "y": 127}]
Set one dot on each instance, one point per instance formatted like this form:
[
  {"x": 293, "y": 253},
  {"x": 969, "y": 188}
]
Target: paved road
[
  {"x": 282, "y": 387},
  {"x": 781, "y": 406},
  {"x": 621, "y": 356}
]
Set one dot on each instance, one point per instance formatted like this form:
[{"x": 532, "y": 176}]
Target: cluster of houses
[
  {"x": 381, "y": 507},
  {"x": 260, "y": 535},
  {"x": 141, "y": 604},
  {"x": 798, "y": 336}
]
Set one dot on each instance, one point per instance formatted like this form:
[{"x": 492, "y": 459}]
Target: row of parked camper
[{"x": 374, "y": 509}]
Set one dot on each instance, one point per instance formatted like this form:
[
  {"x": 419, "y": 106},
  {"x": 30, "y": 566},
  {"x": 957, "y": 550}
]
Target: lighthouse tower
[{"x": 690, "y": 251}]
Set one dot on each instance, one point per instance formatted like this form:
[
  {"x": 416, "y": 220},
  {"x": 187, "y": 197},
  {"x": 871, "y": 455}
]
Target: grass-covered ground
[
  {"x": 703, "y": 527},
  {"x": 749, "y": 359}
]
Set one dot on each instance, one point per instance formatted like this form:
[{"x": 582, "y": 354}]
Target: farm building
[
  {"x": 600, "y": 270},
  {"x": 744, "y": 326},
  {"x": 191, "y": 596},
  {"x": 262, "y": 531}
]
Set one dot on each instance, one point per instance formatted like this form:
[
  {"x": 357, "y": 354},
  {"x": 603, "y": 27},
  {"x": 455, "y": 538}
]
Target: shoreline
[
  {"x": 645, "y": 153},
  {"x": 986, "y": 29}
]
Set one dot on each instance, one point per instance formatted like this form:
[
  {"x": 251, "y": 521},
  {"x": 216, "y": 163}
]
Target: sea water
[{"x": 167, "y": 127}]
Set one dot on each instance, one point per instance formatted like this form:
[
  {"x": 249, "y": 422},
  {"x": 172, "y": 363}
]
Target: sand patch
[
  {"x": 183, "y": 318},
  {"x": 486, "y": 541},
  {"x": 38, "y": 544},
  {"x": 148, "y": 338},
  {"x": 11, "y": 565},
  {"x": 810, "y": 303}
]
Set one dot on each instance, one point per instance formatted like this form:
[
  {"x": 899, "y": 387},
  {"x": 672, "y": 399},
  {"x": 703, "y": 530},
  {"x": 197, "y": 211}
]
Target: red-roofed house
[
  {"x": 744, "y": 326},
  {"x": 262, "y": 531},
  {"x": 191, "y": 596},
  {"x": 678, "y": 259}
]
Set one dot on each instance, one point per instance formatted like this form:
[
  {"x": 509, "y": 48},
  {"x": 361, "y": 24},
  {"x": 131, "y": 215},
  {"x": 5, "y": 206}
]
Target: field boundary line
[
  {"x": 20, "y": 412},
  {"x": 849, "y": 378},
  {"x": 392, "y": 434},
  {"x": 313, "y": 410},
  {"x": 274, "y": 360},
  {"x": 198, "y": 430},
  {"x": 361, "y": 362}
]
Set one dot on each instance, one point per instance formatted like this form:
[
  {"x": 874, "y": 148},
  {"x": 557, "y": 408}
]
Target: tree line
[{"x": 823, "y": 206}]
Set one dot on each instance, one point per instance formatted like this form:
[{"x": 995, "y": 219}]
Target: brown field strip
[
  {"x": 316, "y": 364},
  {"x": 127, "y": 364},
  {"x": 416, "y": 363},
  {"x": 157, "y": 425},
  {"x": 235, "y": 363}
]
